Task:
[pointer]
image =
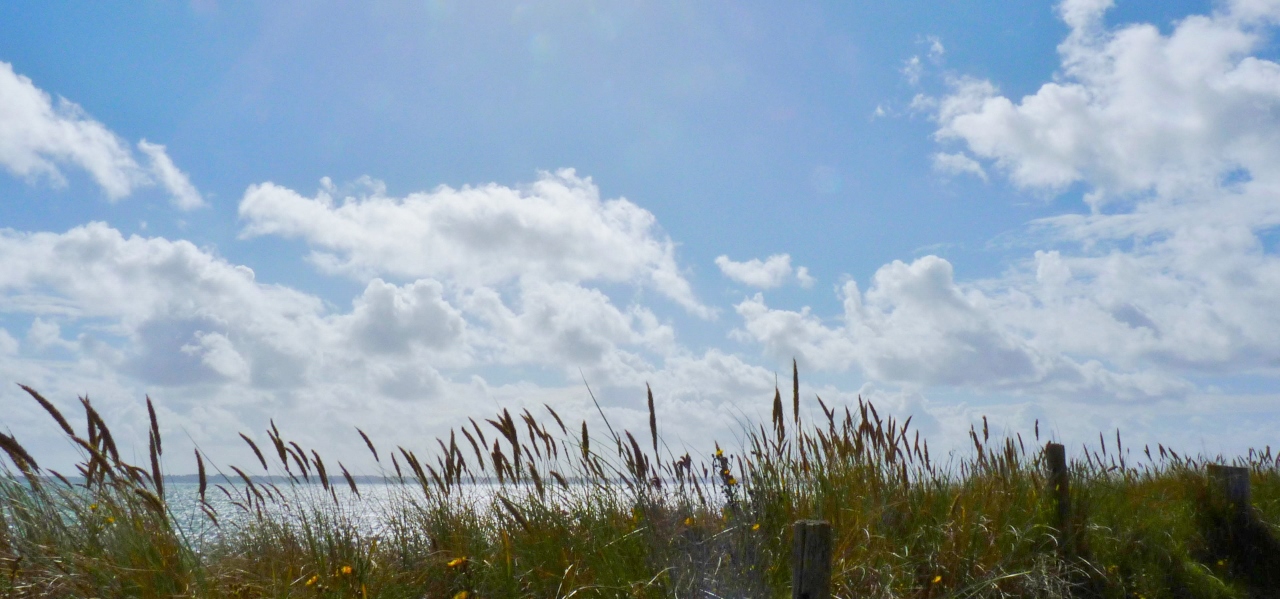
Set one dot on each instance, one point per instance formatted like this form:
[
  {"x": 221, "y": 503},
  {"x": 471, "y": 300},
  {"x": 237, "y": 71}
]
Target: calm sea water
[{"x": 367, "y": 511}]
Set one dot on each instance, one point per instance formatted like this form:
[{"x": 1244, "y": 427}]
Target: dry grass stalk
[
  {"x": 370, "y": 444},
  {"x": 256, "y": 452},
  {"x": 48, "y": 407}
]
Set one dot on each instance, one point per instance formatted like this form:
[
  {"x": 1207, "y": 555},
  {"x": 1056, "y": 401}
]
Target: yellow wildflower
[
  {"x": 719, "y": 452},
  {"x": 732, "y": 481},
  {"x": 755, "y": 526},
  {"x": 457, "y": 561},
  {"x": 345, "y": 570},
  {"x": 111, "y": 520},
  {"x": 937, "y": 579},
  {"x": 461, "y": 595},
  {"x": 688, "y": 521},
  {"x": 312, "y": 580},
  {"x": 93, "y": 507}
]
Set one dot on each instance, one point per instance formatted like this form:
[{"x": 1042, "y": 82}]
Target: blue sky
[{"x": 398, "y": 215}]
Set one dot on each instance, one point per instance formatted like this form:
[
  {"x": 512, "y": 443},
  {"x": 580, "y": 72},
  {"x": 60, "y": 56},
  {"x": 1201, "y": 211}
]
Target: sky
[{"x": 398, "y": 215}]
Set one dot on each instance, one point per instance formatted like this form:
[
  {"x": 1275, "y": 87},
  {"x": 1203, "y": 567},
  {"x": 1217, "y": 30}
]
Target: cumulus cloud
[
  {"x": 389, "y": 319},
  {"x": 1080, "y": 14},
  {"x": 38, "y": 136},
  {"x": 804, "y": 278},
  {"x": 181, "y": 315},
  {"x": 1183, "y": 126},
  {"x": 128, "y": 315},
  {"x": 557, "y": 229},
  {"x": 774, "y": 271},
  {"x": 1167, "y": 279},
  {"x": 569, "y": 328},
  {"x": 916, "y": 325},
  {"x": 1135, "y": 110},
  {"x": 219, "y": 354},
  {"x": 45, "y": 334}
]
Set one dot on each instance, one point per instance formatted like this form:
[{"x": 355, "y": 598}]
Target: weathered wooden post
[
  {"x": 1231, "y": 484},
  {"x": 1234, "y": 535},
  {"x": 1060, "y": 489},
  {"x": 811, "y": 560}
]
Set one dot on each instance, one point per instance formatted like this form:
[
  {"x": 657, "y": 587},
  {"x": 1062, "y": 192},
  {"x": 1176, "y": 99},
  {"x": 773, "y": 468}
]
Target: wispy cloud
[
  {"x": 774, "y": 271},
  {"x": 38, "y": 137}
]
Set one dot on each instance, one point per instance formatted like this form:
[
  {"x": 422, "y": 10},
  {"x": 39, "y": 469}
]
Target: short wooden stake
[
  {"x": 811, "y": 560},
  {"x": 1060, "y": 488}
]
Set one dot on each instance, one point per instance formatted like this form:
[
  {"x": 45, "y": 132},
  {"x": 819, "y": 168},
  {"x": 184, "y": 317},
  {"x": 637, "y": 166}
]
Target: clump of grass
[
  {"x": 109, "y": 535},
  {"x": 520, "y": 505}
]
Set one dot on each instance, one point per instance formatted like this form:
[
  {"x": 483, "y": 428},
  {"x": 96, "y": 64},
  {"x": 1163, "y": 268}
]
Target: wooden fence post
[
  {"x": 1232, "y": 484},
  {"x": 811, "y": 560},
  {"x": 1060, "y": 488}
]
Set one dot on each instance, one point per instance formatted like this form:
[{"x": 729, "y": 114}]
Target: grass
[{"x": 577, "y": 513}]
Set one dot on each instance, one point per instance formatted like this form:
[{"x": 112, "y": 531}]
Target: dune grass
[{"x": 528, "y": 505}]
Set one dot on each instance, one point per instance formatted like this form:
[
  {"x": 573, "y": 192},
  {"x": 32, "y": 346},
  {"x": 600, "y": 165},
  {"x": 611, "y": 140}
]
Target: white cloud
[
  {"x": 958, "y": 164},
  {"x": 936, "y": 50},
  {"x": 569, "y": 328},
  {"x": 182, "y": 316},
  {"x": 803, "y": 277},
  {"x": 1134, "y": 111},
  {"x": 218, "y": 353},
  {"x": 184, "y": 194},
  {"x": 912, "y": 68},
  {"x": 1080, "y": 14},
  {"x": 390, "y": 319},
  {"x": 774, "y": 271},
  {"x": 1254, "y": 10},
  {"x": 916, "y": 325},
  {"x": 35, "y": 135},
  {"x": 8, "y": 345},
  {"x": 46, "y": 334},
  {"x": 38, "y": 136},
  {"x": 222, "y": 351},
  {"x": 1168, "y": 280},
  {"x": 556, "y": 230}
]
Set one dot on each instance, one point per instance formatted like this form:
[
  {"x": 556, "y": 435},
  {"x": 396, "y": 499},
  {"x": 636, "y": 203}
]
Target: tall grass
[{"x": 528, "y": 505}]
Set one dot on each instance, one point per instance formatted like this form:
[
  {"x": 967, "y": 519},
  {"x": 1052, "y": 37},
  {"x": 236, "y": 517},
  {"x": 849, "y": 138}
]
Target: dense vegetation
[{"x": 573, "y": 512}]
